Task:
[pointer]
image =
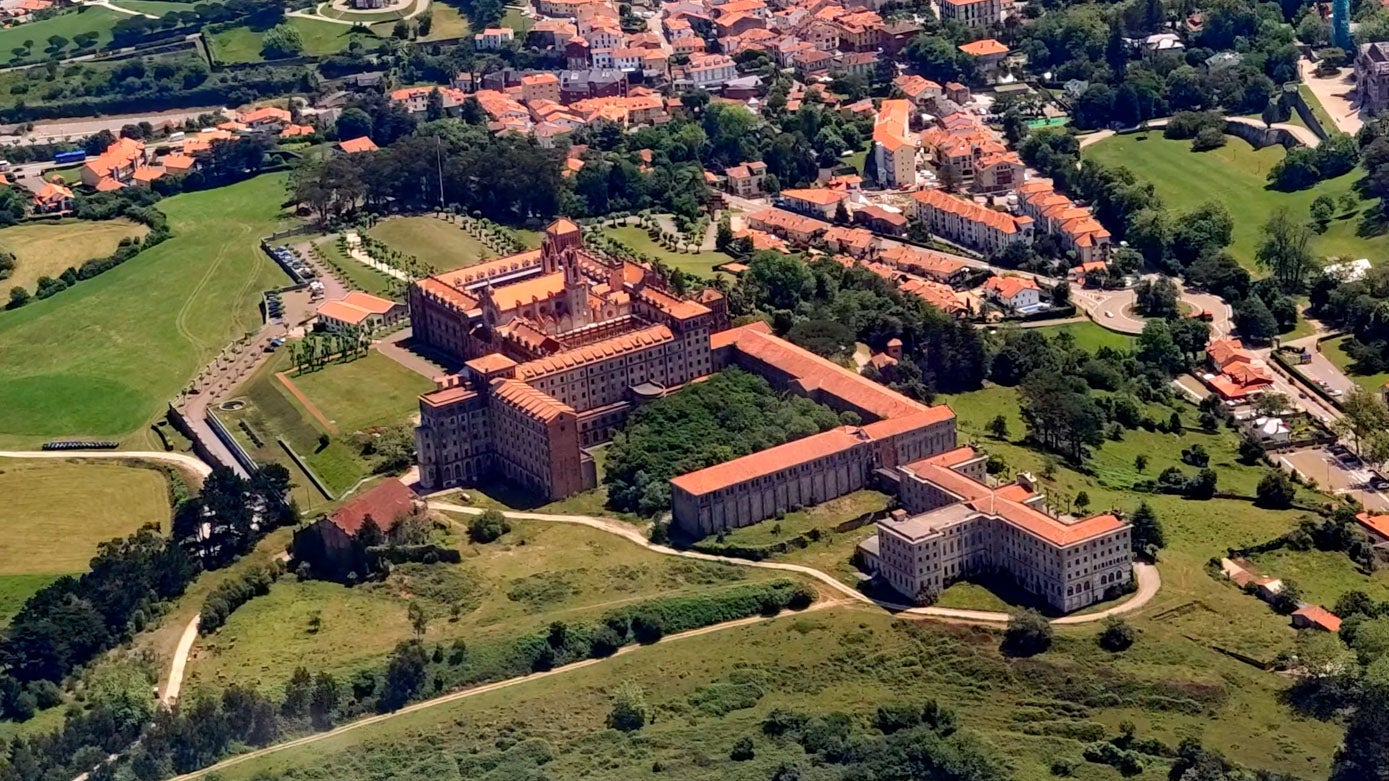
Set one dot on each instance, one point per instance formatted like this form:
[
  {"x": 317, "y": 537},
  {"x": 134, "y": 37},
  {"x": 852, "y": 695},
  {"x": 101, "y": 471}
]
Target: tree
[
  {"x": 419, "y": 622},
  {"x": 1285, "y": 251},
  {"x": 1116, "y": 636},
  {"x": 998, "y": 427},
  {"x": 282, "y": 41},
  {"x": 1147, "y": 536},
  {"x": 56, "y": 43},
  {"x": 1207, "y": 228},
  {"x": 1254, "y": 320},
  {"x": 1251, "y": 450},
  {"x": 742, "y": 750},
  {"x": 1275, "y": 491},
  {"x": 18, "y": 297},
  {"x": 1323, "y": 208},
  {"x": 298, "y": 693},
  {"x": 323, "y": 703},
  {"x": 1082, "y": 502},
  {"x": 406, "y": 673},
  {"x": 434, "y": 106},
  {"x": 425, "y": 22},
  {"x": 488, "y": 526},
  {"x": 1028, "y": 634},
  {"x": 1140, "y": 461},
  {"x": 353, "y": 123},
  {"x": 629, "y": 711},
  {"x": 1156, "y": 297},
  {"x": 950, "y": 177},
  {"x": 401, "y": 30},
  {"x": 1288, "y": 598}
]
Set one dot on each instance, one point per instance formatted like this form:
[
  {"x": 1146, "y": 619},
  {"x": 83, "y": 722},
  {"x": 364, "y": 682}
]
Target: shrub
[
  {"x": 742, "y": 750},
  {"x": 629, "y": 710},
  {"x": 488, "y": 527},
  {"x": 1028, "y": 634},
  {"x": 235, "y": 592},
  {"x": 1116, "y": 635},
  {"x": 1208, "y": 138}
]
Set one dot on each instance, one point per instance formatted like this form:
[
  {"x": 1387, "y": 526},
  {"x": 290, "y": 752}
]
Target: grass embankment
[
  {"x": 1236, "y": 175},
  {"x": 355, "y": 396},
  {"x": 1335, "y": 351},
  {"x": 49, "y": 249},
  {"x": 67, "y": 25},
  {"x": 444, "y": 245},
  {"x": 101, "y": 359},
  {"x": 56, "y": 513},
  {"x": 697, "y": 263},
  {"x": 536, "y": 574},
  {"x": 706, "y": 692}
]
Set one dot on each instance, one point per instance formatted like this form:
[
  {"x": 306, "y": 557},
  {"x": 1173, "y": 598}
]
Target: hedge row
[{"x": 235, "y": 592}]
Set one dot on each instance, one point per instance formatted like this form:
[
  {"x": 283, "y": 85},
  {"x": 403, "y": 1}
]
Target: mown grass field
[
  {"x": 1235, "y": 175},
  {"x": 56, "y": 512},
  {"x": 243, "y": 44},
  {"x": 697, "y": 263},
  {"x": 441, "y": 244},
  {"x": 1335, "y": 351},
  {"x": 707, "y": 691},
  {"x": 1090, "y": 336},
  {"x": 101, "y": 359},
  {"x": 48, "y": 249},
  {"x": 447, "y": 23},
  {"x": 354, "y": 396},
  {"x": 67, "y": 25},
  {"x": 538, "y": 573}
]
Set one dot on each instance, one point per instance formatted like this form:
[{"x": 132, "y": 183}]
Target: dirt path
[
  {"x": 308, "y": 405},
  {"x": 1149, "y": 581},
  {"x": 175, "y": 459},
  {"x": 486, "y": 689},
  {"x": 180, "y": 661}
]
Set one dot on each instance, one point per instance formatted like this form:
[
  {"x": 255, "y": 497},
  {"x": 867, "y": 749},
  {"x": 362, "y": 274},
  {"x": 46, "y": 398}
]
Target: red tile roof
[
  {"x": 386, "y": 503},
  {"x": 1319, "y": 617}
]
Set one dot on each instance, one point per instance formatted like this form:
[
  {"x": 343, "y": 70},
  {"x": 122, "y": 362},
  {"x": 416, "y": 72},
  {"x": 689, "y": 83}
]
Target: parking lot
[{"x": 1336, "y": 469}]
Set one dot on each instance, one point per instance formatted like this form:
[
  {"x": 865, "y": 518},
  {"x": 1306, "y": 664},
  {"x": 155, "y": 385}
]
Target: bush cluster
[{"x": 233, "y": 593}]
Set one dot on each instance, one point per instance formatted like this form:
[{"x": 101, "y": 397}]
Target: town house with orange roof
[
  {"x": 895, "y": 146},
  {"x": 918, "y": 90},
  {"x": 954, "y": 525},
  {"x": 935, "y": 266},
  {"x": 494, "y": 38},
  {"x": 745, "y": 181},
  {"x": 967, "y": 223},
  {"x": 965, "y": 142},
  {"x": 801, "y": 231},
  {"x": 265, "y": 119},
  {"x": 710, "y": 70},
  {"x": 817, "y": 202},
  {"x": 1013, "y": 293},
  {"x": 540, "y": 86},
  {"x": 1074, "y": 225},
  {"x": 1237, "y": 373},
  {"x": 116, "y": 166},
  {"x": 988, "y": 54},
  {"x": 53, "y": 197}
]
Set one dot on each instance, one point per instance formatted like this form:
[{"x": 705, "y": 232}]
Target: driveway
[{"x": 1317, "y": 463}]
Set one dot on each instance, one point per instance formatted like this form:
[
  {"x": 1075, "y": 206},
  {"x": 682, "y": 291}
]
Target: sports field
[
  {"x": 103, "y": 358},
  {"x": 65, "y": 25},
  {"x": 443, "y": 245},
  {"x": 538, "y": 573},
  {"x": 1235, "y": 175},
  {"x": 47, "y": 249},
  {"x": 56, "y": 512}
]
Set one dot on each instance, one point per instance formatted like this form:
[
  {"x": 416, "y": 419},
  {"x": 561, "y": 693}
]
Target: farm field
[
  {"x": 697, "y": 263},
  {"x": 66, "y": 25},
  {"x": 369, "y": 391},
  {"x": 1335, "y": 351},
  {"x": 705, "y": 692},
  {"x": 48, "y": 249},
  {"x": 242, "y": 44},
  {"x": 1236, "y": 176},
  {"x": 56, "y": 512},
  {"x": 536, "y": 574},
  {"x": 443, "y": 245},
  {"x": 102, "y": 358}
]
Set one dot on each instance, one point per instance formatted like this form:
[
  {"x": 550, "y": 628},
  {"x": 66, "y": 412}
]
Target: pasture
[{"x": 44, "y": 249}]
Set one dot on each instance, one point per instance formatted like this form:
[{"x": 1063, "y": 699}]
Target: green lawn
[
  {"x": 697, "y": 263},
  {"x": 365, "y": 17},
  {"x": 155, "y": 7},
  {"x": 1236, "y": 175},
  {"x": 46, "y": 249},
  {"x": 1090, "y": 336},
  {"x": 706, "y": 692},
  {"x": 242, "y": 44},
  {"x": 447, "y": 23},
  {"x": 1335, "y": 351},
  {"x": 354, "y": 396},
  {"x": 538, "y": 573},
  {"x": 1323, "y": 576},
  {"x": 517, "y": 21},
  {"x": 67, "y": 25},
  {"x": 56, "y": 512},
  {"x": 441, "y": 244},
  {"x": 368, "y": 392},
  {"x": 103, "y": 358},
  {"x": 360, "y": 276}
]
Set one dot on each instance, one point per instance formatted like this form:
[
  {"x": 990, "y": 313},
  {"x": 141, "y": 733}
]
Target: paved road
[
  {"x": 78, "y": 129},
  {"x": 1149, "y": 581},
  {"x": 196, "y": 465}
]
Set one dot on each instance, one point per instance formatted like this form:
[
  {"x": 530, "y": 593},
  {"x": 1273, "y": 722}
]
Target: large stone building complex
[
  {"x": 558, "y": 344},
  {"x": 953, "y": 525}
]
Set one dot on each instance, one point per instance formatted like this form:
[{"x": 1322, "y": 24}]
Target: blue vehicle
[{"x": 76, "y": 156}]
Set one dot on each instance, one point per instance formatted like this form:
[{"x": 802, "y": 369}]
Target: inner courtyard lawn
[
  {"x": 47, "y": 249},
  {"x": 443, "y": 245},
  {"x": 56, "y": 512},
  {"x": 1235, "y": 175},
  {"x": 102, "y": 358},
  {"x": 536, "y": 574}
]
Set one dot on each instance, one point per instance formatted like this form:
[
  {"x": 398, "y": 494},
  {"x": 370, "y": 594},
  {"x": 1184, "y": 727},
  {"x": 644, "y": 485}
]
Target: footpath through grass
[
  {"x": 47, "y": 249},
  {"x": 56, "y": 512},
  {"x": 1236, "y": 175},
  {"x": 102, "y": 358}
]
